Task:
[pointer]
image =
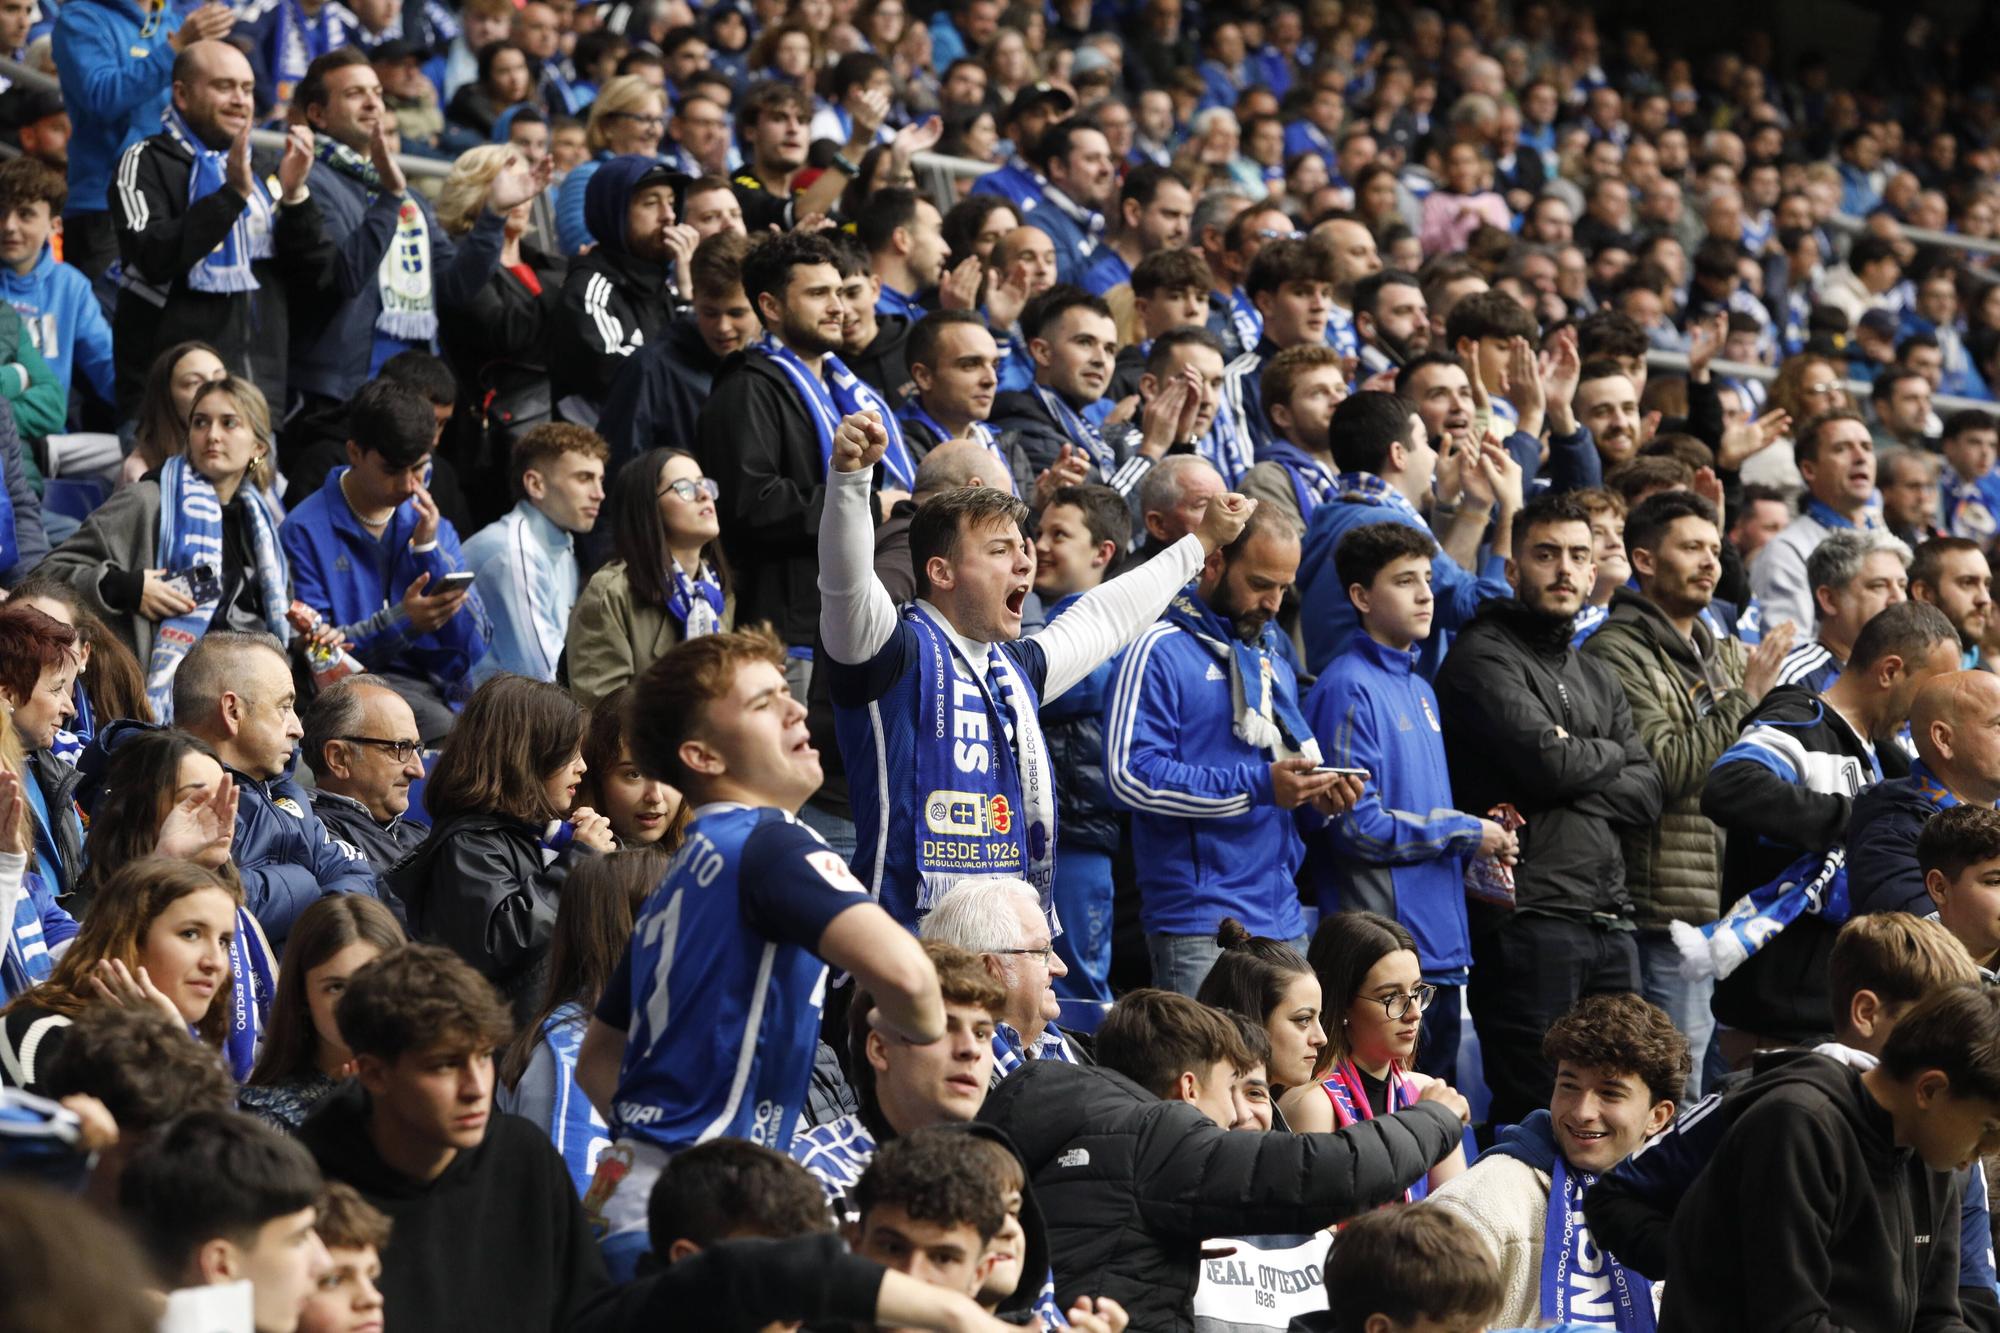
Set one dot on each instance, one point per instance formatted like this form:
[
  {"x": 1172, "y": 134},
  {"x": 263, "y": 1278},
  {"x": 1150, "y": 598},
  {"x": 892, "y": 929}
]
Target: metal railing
[
  {"x": 1950, "y": 240},
  {"x": 940, "y": 175},
  {"x": 1858, "y": 391}
]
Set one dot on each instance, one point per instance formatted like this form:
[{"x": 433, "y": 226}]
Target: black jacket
[
  {"x": 1041, "y": 439},
  {"x": 479, "y": 886},
  {"x": 498, "y": 1243},
  {"x": 755, "y": 439},
  {"x": 1849, "y": 1231},
  {"x": 58, "y": 782},
  {"x": 1132, "y": 1185},
  {"x": 884, "y": 365},
  {"x": 612, "y": 305},
  {"x": 658, "y": 394},
  {"x": 1781, "y": 991},
  {"x": 1882, "y": 871},
  {"x": 740, "y": 1286},
  {"x": 160, "y": 239},
  {"x": 498, "y": 346},
  {"x": 1510, "y": 683},
  {"x": 385, "y": 845},
  {"x": 921, "y": 439}
]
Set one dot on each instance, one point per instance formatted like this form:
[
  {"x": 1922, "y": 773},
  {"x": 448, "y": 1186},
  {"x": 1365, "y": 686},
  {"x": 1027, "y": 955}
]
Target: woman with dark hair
[
  {"x": 667, "y": 583},
  {"x": 1372, "y": 985},
  {"x": 159, "y": 936},
  {"x": 975, "y": 225},
  {"x": 303, "y": 1058},
  {"x": 109, "y": 682},
  {"x": 1267, "y": 982},
  {"x": 537, "y": 1074},
  {"x": 504, "y": 80},
  {"x": 485, "y": 881},
  {"x": 177, "y": 374},
  {"x": 644, "y": 812}
]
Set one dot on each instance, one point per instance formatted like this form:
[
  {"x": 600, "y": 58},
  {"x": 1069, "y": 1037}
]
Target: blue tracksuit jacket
[
  {"x": 116, "y": 69},
  {"x": 63, "y": 319}
]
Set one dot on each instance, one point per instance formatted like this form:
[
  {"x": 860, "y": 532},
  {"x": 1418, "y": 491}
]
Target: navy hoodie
[{"x": 613, "y": 302}]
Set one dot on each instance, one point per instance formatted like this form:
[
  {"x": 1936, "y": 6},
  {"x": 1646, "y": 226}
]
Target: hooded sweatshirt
[
  {"x": 613, "y": 303},
  {"x": 498, "y": 1242},
  {"x": 62, "y": 318}
]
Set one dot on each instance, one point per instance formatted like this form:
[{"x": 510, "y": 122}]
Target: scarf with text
[
  {"x": 253, "y": 976},
  {"x": 1581, "y": 1282},
  {"x": 1815, "y": 884},
  {"x": 841, "y": 393},
  {"x": 226, "y": 268},
  {"x": 1266, "y": 708},
  {"x": 409, "y": 305}
]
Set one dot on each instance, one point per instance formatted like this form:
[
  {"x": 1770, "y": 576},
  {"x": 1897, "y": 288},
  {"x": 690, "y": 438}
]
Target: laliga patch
[
  {"x": 968, "y": 814},
  {"x": 834, "y": 871},
  {"x": 289, "y": 806}
]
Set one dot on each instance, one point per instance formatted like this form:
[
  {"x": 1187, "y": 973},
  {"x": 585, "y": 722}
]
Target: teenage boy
[
  {"x": 1402, "y": 850},
  {"x": 346, "y": 1299},
  {"x": 984, "y": 802},
  {"x": 1136, "y": 1166},
  {"x": 1970, "y": 486},
  {"x": 1078, "y": 544},
  {"x": 903, "y": 1086},
  {"x": 525, "y": 561},
  {"x": 218, "y": 1198},
  {"x": 1169, "y": 291},
  {"x": 1291, "y": 285},
  {"x": 489, "y": 1231},
  {"x": 710, "y": 1024},
  {"x": 370, "y": 552},
  {"x": 1410, "y": 1268},
  {"x": 1620, "y": 1069},
  {"x": 1959, "y": 854},
  {"x": 1853, "y": 1174},
  {"x": 57, "y": 309}
]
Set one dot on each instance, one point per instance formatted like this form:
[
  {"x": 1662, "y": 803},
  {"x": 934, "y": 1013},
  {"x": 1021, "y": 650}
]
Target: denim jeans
[
  {"x": 1686, "y": 1002},
  {"x": 1181, "y": 962},
  {"x": 838, "y": 832},
  {"x": 1083, "y": 892}
]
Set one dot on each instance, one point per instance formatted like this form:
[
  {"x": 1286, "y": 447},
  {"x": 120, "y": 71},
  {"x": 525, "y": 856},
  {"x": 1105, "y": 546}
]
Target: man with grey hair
[
  {"x": 1001, "y": 920},
  {"x": 1853, "y": 575},
  {"x": 1208, "y": 233},
  {"x": 364, "y": 750},
  {"x": 235, "y": 692},
  {"x": 1174, "y": 496}
]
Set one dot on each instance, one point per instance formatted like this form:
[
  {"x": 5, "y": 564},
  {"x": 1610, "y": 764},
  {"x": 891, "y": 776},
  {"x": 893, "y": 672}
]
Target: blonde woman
[
  {"x": 629, "y": 116},
  {"x": 192, "y": 548},
  {"x": 497, "y": 343}
]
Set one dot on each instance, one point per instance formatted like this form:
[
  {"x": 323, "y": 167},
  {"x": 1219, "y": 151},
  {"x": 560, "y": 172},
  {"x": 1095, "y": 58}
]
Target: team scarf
[
  {"x": 1267, "y": 711},
  {"x": 1229, "y": 446},
  {"x": 25, "y": 961},
  {"x": 1824, "y": 514},
  {"x": 1365, "y": 488},
  {"x": 986, "y": 803},
  {"x": 1090, "y": 220},
  {"x": 841, "y": 393},
  {"x": 253, "y": 976},
  {"x": 695, "y": 603},
  {"x": 190, "y": 534},
  {"x": 1312, "y": 484},
  {"x": 1010, "y": 1052},
  {"x": 1815, "y": 884},
  {"x": 301, "y": 40},
  {"x": 69, "y": 744},
  {"x": 226, "y": 268},
  {"x": 1081, "y": 430},
  {"x": 1608, "y": 1295},
  {"x": 913, "y": 414},
  {"x": 1340, "y": 334},
  {"x": 409, "y": 306},
  {"x": 1350, "y": 1106},
  {"x": 1243, "y": 317}
]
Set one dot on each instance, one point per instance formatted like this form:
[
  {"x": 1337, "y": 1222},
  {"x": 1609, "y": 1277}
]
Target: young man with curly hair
[{"x": 1620, "y": 1066}]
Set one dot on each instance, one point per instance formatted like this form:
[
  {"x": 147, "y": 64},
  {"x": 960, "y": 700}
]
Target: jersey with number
[{"x": 720, "y": 991}]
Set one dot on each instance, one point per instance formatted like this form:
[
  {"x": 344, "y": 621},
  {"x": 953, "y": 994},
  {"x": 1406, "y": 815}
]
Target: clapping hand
[{"x": 202, "y": 825}]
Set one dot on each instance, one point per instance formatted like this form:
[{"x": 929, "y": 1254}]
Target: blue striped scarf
[
  {"x": 226, "y": 268},
  {"x": 841, "y": 393}
]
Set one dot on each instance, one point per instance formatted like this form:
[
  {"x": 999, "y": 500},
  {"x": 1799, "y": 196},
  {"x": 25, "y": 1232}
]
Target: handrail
[
  {"x": 1950, "y": 240},
  {"x": 1859, "y": 391}
]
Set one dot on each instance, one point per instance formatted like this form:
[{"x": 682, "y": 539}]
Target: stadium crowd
[{"x": 1112, "y": 665}]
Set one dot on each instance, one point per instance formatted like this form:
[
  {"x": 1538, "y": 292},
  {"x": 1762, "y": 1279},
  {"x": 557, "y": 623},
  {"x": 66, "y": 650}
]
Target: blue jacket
[
  {"x": 356, "y": 581},
  {"x": 116, "y": 68},
  {"x": 332, "y": 357},
  {"x": 572, "y": 232},
  {"x": 1402, "y": 850},
  {"x": 1882, "y": 831},
  {"x": 1328, "y": 618},
  {"x": 285, "y": 858},
  {"x": 1076, "y": 244},
  {"x": 1200, "y": 797},
  {"x": 1073, "y": 726},
  {"x": 528, "y": 579},
  {"x": 62, "y": 317},
  {"x": 1017, "y": 183}
]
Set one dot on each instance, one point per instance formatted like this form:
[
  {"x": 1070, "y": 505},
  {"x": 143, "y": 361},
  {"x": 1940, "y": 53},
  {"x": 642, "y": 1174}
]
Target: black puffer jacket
[
  {"x": 1131, "y": 1185},
  {"x": 479, "y": 886},
  {"x": 1528, "y": 720}
]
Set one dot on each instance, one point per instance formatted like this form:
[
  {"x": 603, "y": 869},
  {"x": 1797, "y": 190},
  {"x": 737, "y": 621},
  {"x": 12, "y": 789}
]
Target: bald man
[
  {"x": 248, "y": 216},
  {"x": 1023, "y": 267},
  {"x": 1955, "y": 723}
]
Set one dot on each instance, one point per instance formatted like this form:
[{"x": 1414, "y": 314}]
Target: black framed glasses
[
  {"x": 693, "y": 490},
  {"x": 1399, "y": 1005},
  {"x": 401, "y": 751}
]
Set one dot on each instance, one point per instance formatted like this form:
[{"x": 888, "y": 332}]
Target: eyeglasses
[
  {"x": 401, "y": 751},
  {"x": 651, "y": 122},
  {"x": 1272, "y": 234},
  {"x": 1817, "y": 389},
  {"x": 1399, "y": 1006},
  {"x": 1047, "y": 953},
  {"x": 693, "y": 490}
]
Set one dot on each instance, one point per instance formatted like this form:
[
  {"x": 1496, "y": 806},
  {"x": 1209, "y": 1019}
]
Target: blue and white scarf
[
  {"x": 253, "y": 976},
  {"x": 1365, "y": 488},
  {"x": 1081, "y": 430},
  {"x": 191, "y": 533},
  {"x": 25, "y": 962},
  {"x": 985, "y": 787},
  {"x": 1312, "y": 484},
  {"x": 1267, "y": 710},
  {"x": 409, "y": 305},
  {"x": 841, "y": 393},
  {"x": 1243, "y": 317},
  {"x": 300, "y": 40},
  {"x": 695, "y": 603},
  {"x": 1827, "y": 517},
  {"x": 1581, "y": 1282},
  {"x": 914, "y": 414},
  {"x": 1010, "y": 1052},
  {"x": 226, "y": 268},
  {"x": 1815, "y": 884},
  {"x": 1229, "y": 447}
]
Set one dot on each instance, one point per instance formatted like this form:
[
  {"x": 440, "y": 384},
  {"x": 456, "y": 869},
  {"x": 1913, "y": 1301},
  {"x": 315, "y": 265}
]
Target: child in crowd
[{"x": 346, "y": 1298}]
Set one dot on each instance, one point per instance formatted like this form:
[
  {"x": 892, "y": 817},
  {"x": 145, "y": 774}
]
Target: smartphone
[
  {"x": 453, "y": 582},
  {"x": 1343, "y": 772},
  {"x": 197, "y": 582}
]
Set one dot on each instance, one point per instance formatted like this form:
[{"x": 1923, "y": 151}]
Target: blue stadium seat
[
  {"x": 1081, "y": 1015},
  {"x": 73, "y": 497}
]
